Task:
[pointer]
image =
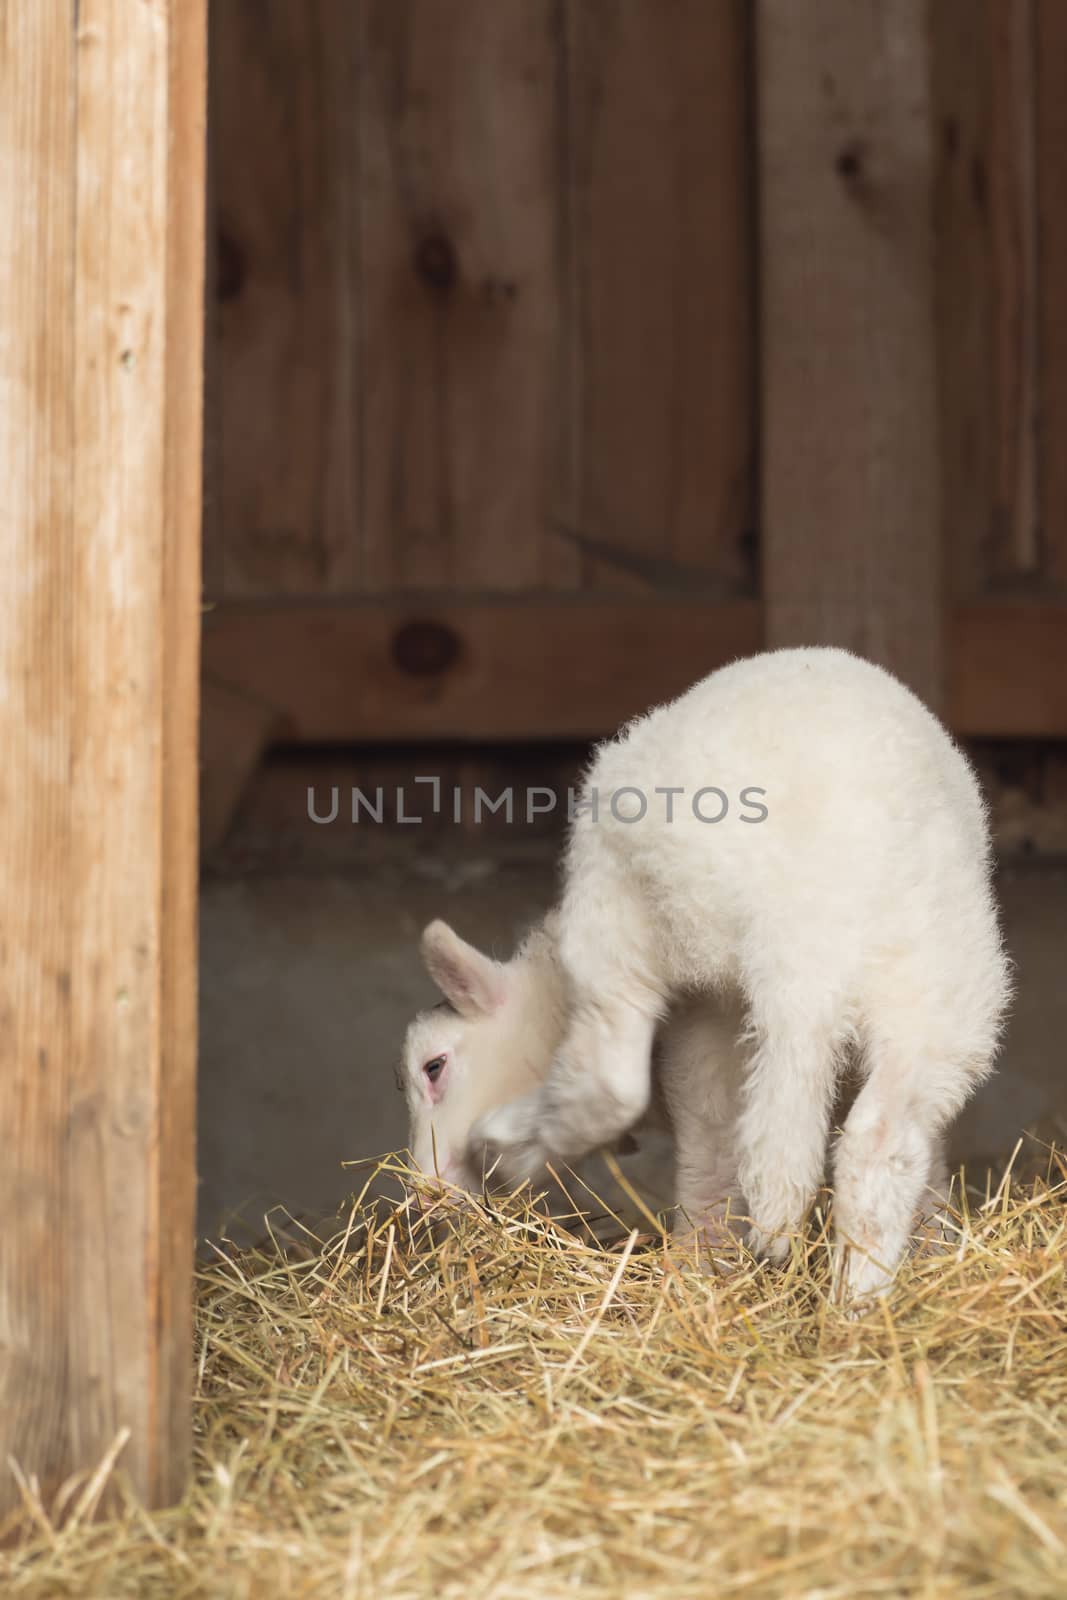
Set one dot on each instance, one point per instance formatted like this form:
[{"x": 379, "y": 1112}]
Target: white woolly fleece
[{"x": 857, "y": 913}]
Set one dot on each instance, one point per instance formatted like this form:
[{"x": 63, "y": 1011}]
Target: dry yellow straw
[{"x": 474, "y": 1402}]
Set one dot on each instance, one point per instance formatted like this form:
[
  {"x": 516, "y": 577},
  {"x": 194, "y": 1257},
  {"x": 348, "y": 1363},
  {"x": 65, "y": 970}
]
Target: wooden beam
[
  {"x": 444, "y": 668},
  {"x": 449, "y": 669},
  {"x": 851, "y": 546},
  {"x": 101, "y": 196}
]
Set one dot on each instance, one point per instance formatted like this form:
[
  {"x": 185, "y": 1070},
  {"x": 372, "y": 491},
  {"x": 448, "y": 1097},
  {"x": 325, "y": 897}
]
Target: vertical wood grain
[
  {"x": 851, "y": 546},
  {"x": 964, "y": 295},
  {"x": 174, "y": 1195},
  {"x": 459, "y": 292},
  {"x": 213, "y": 531},
  {"x": 986, "y": 65},
  {"x": 1014, "y": 247},
  {"x": 38, "y": 660},
  {"x": 1051, "y": 145},
  {"x": 101, "y": 192},
  {"x": 285, "y": 430},
  {"x": 113, "y": 884},
  {"x": 483, "y": 284},
  {"x": 660, "y": 308}
]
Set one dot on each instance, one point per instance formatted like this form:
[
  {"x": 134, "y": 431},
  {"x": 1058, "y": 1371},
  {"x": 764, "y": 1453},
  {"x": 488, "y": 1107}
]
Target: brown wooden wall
[
  {"x": 483, "y": 303},
  {"x": 1001, "y": 218},
  {"x": 561, "y": 349}
]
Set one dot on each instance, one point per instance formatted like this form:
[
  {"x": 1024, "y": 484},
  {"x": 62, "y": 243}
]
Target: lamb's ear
[{"x": 472, "y": 982}]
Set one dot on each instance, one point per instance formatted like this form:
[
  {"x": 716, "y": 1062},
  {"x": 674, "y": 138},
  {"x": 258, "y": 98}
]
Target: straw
[{"x": 475, "y": 1401}]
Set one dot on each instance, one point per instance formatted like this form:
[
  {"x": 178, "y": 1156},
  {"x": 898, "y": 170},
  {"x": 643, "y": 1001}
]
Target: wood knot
[
  {"x": 850, "y": 161},
  {"x": 425, "y": 649},
  {"x": 435, "y": 262}
]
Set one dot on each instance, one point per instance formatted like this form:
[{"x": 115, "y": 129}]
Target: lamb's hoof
[
  {"x": 859, "y": 1283},
  {"x": 773, "y": 1247},
  {"x": 505, "y": 1144}
]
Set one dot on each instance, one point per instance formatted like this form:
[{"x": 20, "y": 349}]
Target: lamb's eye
[{"x": 433, "y": 1069}]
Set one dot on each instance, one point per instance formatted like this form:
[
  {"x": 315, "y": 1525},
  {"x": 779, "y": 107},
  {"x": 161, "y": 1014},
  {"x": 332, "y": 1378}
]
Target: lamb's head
[{"x": 491, "y": 1040}]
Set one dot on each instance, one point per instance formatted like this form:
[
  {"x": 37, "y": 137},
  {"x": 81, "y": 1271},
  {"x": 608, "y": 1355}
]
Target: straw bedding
[{"x": 512, "y": 1410}]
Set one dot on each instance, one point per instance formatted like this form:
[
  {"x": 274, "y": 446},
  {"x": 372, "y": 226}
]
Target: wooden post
[
  {"x": 849, "y": 408},
  {"x": 101, "y": 253}
]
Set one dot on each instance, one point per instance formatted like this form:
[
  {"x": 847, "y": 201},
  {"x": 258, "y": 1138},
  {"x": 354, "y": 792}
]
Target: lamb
[{"x": 846, "y": 916}]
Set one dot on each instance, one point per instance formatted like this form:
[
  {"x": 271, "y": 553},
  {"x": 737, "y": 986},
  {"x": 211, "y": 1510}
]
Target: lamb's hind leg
[
  {"x": 701, "y": 1070},
  {"x": 933, "y": 1229},
  {"x": 890, "y": 1175}
]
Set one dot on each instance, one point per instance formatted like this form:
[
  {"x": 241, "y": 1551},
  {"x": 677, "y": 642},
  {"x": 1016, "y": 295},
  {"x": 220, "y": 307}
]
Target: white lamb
[{"x": 854, "y": 920}]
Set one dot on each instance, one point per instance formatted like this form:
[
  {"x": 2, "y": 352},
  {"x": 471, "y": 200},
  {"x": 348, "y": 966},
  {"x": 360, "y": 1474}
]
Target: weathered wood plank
[
  {"x": 101, "y": 183},
  {"x": 213, "y": 532},
  {"x": 987, "y": 237},
  {"x": 355, "y": 672},
  {"x": 445, "y": 354},
  {"x": 459, "y": 292},
  {"x": 660, "y": 291},
  {"x": 284, "y": 153},
  {"x": 1051, "y": 141},
  {"x": 175, "y": 1195},
  {"x": 445, "y": 668},
  {"x": 1014, "y": 245},
  {"x": 968, "y": 401},
  {"x": 851, "y": 547},
  {"x": 37, "y": 661},
  {"x": 118, "y": 382}
]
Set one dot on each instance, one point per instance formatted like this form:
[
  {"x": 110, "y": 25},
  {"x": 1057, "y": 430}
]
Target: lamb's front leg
[
  {"x": 600, "y": 1081},
  {"x": 783, "y": 1128},
  {"x": 597, "y": 1088}
]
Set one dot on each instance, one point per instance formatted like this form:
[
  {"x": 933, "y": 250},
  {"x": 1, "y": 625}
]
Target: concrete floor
[{"x": 308, "y": 978}]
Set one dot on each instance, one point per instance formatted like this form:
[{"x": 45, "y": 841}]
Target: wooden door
[
  {"x": 513, "y": 430},
  {"x": 481, "y": 431}
]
